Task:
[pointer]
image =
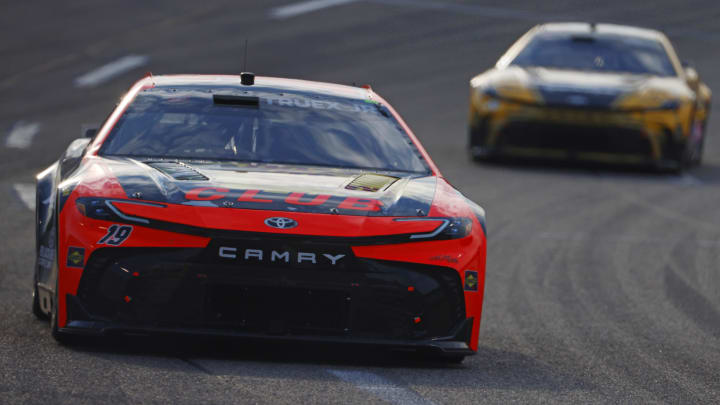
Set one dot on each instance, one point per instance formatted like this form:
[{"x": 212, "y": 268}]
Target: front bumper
[
  {"x": 192, "y": 291},
  {"x": 603, "y": 135},
  {"x": 454, "y": 345}
]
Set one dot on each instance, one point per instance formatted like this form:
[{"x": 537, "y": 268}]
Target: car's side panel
[{"x": 45, "y": 235}]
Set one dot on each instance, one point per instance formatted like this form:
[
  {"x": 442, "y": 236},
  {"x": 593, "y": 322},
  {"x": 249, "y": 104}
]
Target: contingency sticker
[
  {"x": 471, "y": 280},
  {"x": 75, "y": 257}
]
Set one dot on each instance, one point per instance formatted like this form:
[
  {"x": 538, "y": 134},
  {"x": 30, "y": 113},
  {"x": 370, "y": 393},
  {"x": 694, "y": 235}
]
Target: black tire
[
  {"x": 474, "y": 157},
  {"x": 36, "y": 310},
  {"x": 681, "y": 163},
  {"x": 697, "y": 158}
]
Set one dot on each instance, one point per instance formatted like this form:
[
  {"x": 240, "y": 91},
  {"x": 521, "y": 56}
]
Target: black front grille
[
  {"x": 164, "y": 287},
  {"x": 574, "y": 138},
  {"x": 276, "y": 310}
]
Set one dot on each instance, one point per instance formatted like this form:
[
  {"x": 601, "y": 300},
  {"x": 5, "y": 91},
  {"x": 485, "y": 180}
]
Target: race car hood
[
  {"x": 583, "y": 89},
  {"x": 269, "y": 187}
]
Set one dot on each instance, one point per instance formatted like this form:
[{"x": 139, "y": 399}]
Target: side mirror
[
  {"x": 89, "y": 130},
  {"x": 73, "y": 154},
  {"x": 691, "y": 77}
]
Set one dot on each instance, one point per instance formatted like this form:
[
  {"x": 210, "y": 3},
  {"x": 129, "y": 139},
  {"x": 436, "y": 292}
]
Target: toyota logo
[
  {"x": 578, "y": 99},
  {"x": 281, "y": 223}
]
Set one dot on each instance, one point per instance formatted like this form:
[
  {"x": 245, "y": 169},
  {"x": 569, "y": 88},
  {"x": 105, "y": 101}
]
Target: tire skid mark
[
  {"x": 196, "y": 365},
  {"x": 586, "y": 299},
  {"x": 581, "y": 319},
  {"x": 642, "y": 323},
  {"x": 532, "y": 276},
  {"x": 665, "y": 212},
  {"x": 712, "y": 244},
  {"x": 380, "y": 387},
  {"x": 625, "y": 329},
  {"x": 690, "y": 301}
]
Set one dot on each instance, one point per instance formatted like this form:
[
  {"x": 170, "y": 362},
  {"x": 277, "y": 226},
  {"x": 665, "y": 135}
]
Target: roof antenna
[
  {"x": 245, "y": 58},
  {"x": 246, "y": 78}
]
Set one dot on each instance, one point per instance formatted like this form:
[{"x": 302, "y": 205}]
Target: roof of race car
[
  {"x": 600, "y": 28},
  {"x": 364, "y": 93},
  {"x": 330, "y": 89}
]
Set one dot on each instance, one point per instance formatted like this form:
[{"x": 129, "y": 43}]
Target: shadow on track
[
  {"x": 705, "y": 173},
  {"x": 490, "y": 368}
]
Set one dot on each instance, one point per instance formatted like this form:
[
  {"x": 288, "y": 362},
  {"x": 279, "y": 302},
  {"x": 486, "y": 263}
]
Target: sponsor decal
[
  {"x": 445, "y": 258},
  {"x": 260, "y": 198},
  {"x": 471, "y": 280},
  {"x": 45, "y": 257},
  {"x": 320, "y": 104},
  {"x": 249, "y": 196},
  {"x": 281, "y": 256},
  {"x": 75, "y": 256},
  {"x": 206, "y": 193},
  {"x": 281, "y": 223},
  {"x": 116, "y": 235}
]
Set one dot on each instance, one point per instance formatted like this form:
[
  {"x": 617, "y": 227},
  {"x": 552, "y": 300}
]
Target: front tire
[
  {"x": 36, "y": 309},
  {"x": 697, "y": 156}
]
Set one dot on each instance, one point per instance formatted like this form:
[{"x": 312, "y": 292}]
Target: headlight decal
[{"x": 450, "y": 228}]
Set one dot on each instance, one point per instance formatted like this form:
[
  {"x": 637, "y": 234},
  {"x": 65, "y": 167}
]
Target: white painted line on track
[
  {"x": 21, "y": 134},
  {"x": 303, "y": 7},
  {"x": 26, "y": 192},
  {"x": 380, "y": 387},
  {"x": 112, "y": 69}
]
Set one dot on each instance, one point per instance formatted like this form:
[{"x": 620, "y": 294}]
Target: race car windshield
[
  {"x": 597, "y": 53},
  {"x": 262, "y": 126}
]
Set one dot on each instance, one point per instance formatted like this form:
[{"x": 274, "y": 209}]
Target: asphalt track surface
[{"x": 602, "y": 283}]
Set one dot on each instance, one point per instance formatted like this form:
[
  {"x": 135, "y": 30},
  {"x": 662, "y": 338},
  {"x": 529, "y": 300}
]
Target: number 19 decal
[{"x": 116, "y": 235}]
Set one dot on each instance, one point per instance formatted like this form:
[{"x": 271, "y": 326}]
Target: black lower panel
[
  {"x": 276, "y": 310},
  {"x": 575, "y": 138},
  {"x": 189, "y": 288}
]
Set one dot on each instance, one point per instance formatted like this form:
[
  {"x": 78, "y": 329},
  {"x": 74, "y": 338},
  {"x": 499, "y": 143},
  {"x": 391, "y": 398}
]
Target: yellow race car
[{"x": 599, "y": 92}]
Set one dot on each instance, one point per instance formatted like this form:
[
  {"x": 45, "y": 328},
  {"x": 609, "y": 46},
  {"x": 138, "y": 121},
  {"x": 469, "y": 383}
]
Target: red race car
[{"x": 258, "y": 207}]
